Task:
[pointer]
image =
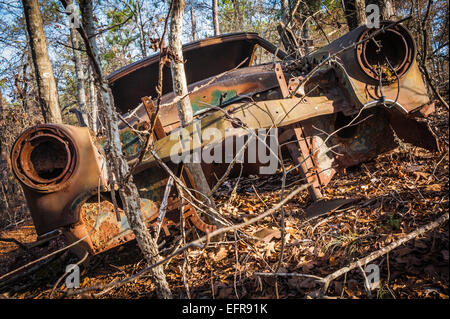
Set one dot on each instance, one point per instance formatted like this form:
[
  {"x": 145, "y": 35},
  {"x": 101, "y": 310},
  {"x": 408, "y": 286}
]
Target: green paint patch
[
  {"x": 131, "y": 144},
  {"x": 199, "y": 103}
]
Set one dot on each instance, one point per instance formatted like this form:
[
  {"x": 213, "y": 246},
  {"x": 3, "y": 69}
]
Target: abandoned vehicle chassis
[{"x": 62, "y": 168}]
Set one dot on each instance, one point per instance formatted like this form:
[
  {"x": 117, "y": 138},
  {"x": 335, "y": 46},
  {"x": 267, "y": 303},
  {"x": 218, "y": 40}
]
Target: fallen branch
[
  {"x": 86, "y": 254},
  {"x": 383, "y": 251},
  {"x": 31, "y": 270},
  {"x": 363, "y": 261},
  {"x": 13, "y": 240},
  {"x": 285, "y": 274}
]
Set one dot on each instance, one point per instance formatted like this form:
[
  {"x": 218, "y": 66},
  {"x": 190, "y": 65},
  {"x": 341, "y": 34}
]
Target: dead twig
[{"x": 284, "y": 274}]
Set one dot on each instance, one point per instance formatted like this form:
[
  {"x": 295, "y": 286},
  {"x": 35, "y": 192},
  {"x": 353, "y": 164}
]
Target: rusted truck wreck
[{"x": 375, "y": 86}]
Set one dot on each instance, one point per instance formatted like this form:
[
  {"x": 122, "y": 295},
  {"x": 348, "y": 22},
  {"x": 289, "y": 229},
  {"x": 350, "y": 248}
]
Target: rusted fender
[
  {"x": 57, "y": 165},
  {"x": 401, "y": 83}
]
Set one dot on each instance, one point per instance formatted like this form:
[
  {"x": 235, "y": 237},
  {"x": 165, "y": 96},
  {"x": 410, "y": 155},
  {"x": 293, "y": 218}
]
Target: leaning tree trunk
[
  {"x": 47, "y": 90},
  {"x": 180, "y": 88},
  {"x": 355, "y": 13},
  {"x": 117, "y": 164},
  {"x": 79, "y": 74},
  {"x": 387, "y": 10},
  {"x": 87, "y": 15},
  {"x": 215, "y": 16}
]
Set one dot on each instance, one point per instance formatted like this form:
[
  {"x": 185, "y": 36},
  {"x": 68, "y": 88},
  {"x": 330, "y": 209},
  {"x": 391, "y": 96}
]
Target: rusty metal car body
[{"x": 62, "y": 167}]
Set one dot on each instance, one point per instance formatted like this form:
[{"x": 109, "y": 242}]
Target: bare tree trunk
[
  {"x": 140, "y": 24},
  {"x": 306, "y": 35},
  {"x": 387, "y": 10},
  {"x": 27, "y": 76},
  {"x": 88, "y": 24},
  {"x": 355, "y": 13},
  {"x": 285, "y": 14},
  {"x": 93, "y": 101},
  {"x": 47, "y": 90},
  {"x": 193, "y": 23},
  {"x": 79, "y": 74},
  {"x": 87, "y": 15},
  {"x": 215, "y": 17},
  {"x": 184, "y": 107},
  {"x": 116, "y": 161},
  {"x": 237, "y": 16}
]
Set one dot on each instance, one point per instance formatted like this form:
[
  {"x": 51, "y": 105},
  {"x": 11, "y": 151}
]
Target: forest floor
[{"x": 402, "y": 190}]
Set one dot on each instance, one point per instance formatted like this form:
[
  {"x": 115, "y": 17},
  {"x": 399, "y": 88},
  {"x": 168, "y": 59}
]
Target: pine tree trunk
[
  {"x": 47, "y": 89},
  {"x": 79, "y": 74},
  {"x": 116, "y": 162},
  {"x": 184, "y": 107},
  {"x": 355, "y": 13}
]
